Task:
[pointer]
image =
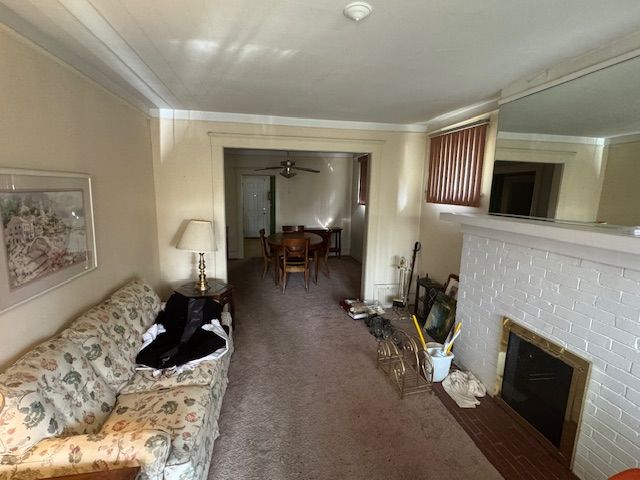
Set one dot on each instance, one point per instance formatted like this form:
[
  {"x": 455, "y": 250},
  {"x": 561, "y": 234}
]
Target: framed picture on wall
[{"x": 47, "y": 237}]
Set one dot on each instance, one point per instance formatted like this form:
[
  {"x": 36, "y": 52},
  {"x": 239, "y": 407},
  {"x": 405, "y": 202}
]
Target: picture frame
[
  {"x": 47, "y": 235},
  {"x": 441, "y": 317},
  {"x": 451, "y": 287}
]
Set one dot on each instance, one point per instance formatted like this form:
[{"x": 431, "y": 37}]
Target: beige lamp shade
[{"x": 198, "y": 237}]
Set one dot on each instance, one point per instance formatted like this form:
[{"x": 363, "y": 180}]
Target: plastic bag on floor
[{"x": 464, "y": 387}]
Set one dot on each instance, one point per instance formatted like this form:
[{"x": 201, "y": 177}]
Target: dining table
[{"x": 275, "y": 243}]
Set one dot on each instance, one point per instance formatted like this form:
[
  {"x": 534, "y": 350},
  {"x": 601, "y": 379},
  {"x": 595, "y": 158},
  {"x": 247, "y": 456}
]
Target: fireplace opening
[
  {"x": 543, "y": 385},
  {"x": 536, "y": 385}
]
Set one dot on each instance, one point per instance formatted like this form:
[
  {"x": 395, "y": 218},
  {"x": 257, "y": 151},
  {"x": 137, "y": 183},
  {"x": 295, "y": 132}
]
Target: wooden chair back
[{"x": 295, "y": 259}]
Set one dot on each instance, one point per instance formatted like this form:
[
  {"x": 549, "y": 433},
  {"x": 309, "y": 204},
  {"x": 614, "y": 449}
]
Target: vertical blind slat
[
  {"x": 455, "y": 167},
  {"x": 446, "y": 180}
]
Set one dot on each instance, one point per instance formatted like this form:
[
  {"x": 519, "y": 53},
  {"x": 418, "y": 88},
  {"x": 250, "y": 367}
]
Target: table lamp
[{"x": 198, "y": 237}]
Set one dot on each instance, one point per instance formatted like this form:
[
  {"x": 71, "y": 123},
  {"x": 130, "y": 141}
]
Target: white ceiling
[{"x": 410, "y": 61}]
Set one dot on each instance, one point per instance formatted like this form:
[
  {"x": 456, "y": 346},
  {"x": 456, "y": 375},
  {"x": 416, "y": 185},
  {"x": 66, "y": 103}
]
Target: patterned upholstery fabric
[
  {"x": 198, "y": 465},
  {"x": 56, "y": 400},
  {"x": 132, "y": 309},
  {"x": 120, "y": 330},
  {"x": 49, "y": 391},
  {"x": 90, "y": 333},
  {"x": 181, "y": 412},
  {"x": 139, "y": 304},
  {"x": 203, "y": 374},
  {"x": 68, "y": 384},
  {"x": 89, "y": 453},
  {"x": 26, "y": 417}
]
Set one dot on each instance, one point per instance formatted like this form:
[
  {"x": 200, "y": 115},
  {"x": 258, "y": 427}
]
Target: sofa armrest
[
  {"x": 225, "y": 319},
  {"x": 58, "y": 456}
]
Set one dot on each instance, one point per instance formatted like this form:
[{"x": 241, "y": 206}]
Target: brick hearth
[{"x": 591, "y": 308}]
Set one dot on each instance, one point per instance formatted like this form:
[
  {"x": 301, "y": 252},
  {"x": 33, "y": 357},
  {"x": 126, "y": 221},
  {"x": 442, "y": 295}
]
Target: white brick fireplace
[{"x": 576, "y": 286}]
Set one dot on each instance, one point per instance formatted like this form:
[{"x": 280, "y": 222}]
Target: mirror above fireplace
[{"x": 572, "y": 152}]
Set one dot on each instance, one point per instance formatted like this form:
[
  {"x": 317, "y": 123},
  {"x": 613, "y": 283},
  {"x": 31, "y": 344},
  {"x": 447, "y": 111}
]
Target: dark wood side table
[
  {"x": 335, "y": 246},
  {"x": 220, "y": 292},
  {"x": 129, "y": 473}
]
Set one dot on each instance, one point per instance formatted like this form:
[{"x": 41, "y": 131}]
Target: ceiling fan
[{"x": 288, "y": 168}]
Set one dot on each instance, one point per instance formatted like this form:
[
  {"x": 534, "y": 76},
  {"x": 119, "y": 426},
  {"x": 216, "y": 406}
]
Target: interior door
[{"x": 255, "y": 204}]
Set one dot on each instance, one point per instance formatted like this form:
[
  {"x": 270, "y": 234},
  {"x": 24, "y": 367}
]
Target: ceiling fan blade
[
  {"x": 267, "y": 168},
  {"x": 307, "y": 169}
]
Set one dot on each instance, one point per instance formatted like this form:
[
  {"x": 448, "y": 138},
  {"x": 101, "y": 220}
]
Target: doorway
[
  {"x": 525, "y": 188},
  {"x": 325, "y": 190},
  {"x": 256, "y": 204}
]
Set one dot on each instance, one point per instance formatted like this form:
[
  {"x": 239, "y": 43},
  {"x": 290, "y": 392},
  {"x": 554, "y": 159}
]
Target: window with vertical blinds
[{"x": 455, "y": 166}]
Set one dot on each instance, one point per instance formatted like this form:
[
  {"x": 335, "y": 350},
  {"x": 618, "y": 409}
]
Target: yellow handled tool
[{"x": 415, "y": 323}]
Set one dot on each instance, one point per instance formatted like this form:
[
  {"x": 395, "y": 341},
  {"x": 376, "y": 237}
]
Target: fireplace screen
[
  {"x": 543, "y": 384},
  {"x": 536, "y": 385}
]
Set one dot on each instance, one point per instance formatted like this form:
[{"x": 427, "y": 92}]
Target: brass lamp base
[{"x": 201, "y": 285}]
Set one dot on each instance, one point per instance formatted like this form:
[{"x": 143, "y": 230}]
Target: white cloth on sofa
[{"x": 156, "y": 329}]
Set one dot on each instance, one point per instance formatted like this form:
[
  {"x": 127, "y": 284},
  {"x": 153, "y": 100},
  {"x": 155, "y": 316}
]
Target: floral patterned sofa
[{"x": 76, "y": 404}]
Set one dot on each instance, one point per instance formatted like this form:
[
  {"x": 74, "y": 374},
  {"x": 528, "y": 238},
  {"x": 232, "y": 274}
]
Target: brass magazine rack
[{"x": 400, "y": 358}]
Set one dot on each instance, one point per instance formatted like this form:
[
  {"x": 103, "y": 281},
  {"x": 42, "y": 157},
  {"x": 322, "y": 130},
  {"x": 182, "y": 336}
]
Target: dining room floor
[{"x": 252, "y": 248}]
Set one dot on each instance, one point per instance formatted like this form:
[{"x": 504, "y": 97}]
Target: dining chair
[
  {"x": 292, "y": 228},
  {"x": 295, "y": 259},
  {"x": 267, "y": 256}
]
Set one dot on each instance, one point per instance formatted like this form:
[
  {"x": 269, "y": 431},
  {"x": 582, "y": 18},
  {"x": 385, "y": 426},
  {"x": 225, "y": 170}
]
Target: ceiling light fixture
[{"x": 356, "y": 11}]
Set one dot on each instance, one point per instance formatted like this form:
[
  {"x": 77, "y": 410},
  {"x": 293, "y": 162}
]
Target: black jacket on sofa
[{"x": 184, "y": 339}]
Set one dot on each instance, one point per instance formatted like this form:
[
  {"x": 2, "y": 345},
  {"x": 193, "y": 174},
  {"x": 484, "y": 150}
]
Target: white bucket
[{"x": 437, "y": 362}]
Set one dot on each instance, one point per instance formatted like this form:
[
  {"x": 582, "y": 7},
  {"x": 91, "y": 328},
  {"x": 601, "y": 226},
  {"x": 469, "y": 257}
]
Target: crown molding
[
  {"x": 605, "y": 56},
  {"x": 545, "y": 137},
  {"x": 627, "y": 138},
  {"x": 462, "y": 116},
  {"x": 226, "y": 117}
]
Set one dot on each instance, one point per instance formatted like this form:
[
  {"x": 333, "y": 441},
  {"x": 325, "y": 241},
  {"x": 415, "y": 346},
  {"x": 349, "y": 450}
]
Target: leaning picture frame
[
  {"x": 451, "y": 287},
  {"x": 47, "y": 233},
  {"x": 441, "y": 317}
]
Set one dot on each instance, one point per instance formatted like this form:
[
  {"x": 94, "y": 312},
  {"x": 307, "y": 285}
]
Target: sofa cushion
[
  {"x": 90, "y": 332},
  {"x": 118, "y": 328},
  {"x": 66, "y": 380},
  {"x": 132, "y": 309},
  {"x": 139, "y": 304},
  {"x": 26, "y": 417},
  {"x": 95, "y": 453},
  {"x": 182, "y": 412},
  {"x": 202, "y": 374},
  {"x": 51, "y": 390}
]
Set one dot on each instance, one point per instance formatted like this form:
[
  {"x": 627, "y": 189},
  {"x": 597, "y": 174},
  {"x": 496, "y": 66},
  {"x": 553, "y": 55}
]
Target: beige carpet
[{"x": 305, "y": 400}]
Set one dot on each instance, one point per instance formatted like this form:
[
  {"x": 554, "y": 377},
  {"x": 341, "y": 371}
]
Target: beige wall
[
  {"x": 442, "y": 241},
  {"x": 310, "y": 199},
  {"x": 620, "y": 191},
  {"x": 55, "y": 119},
  {"x": 189, "y": 178}
]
